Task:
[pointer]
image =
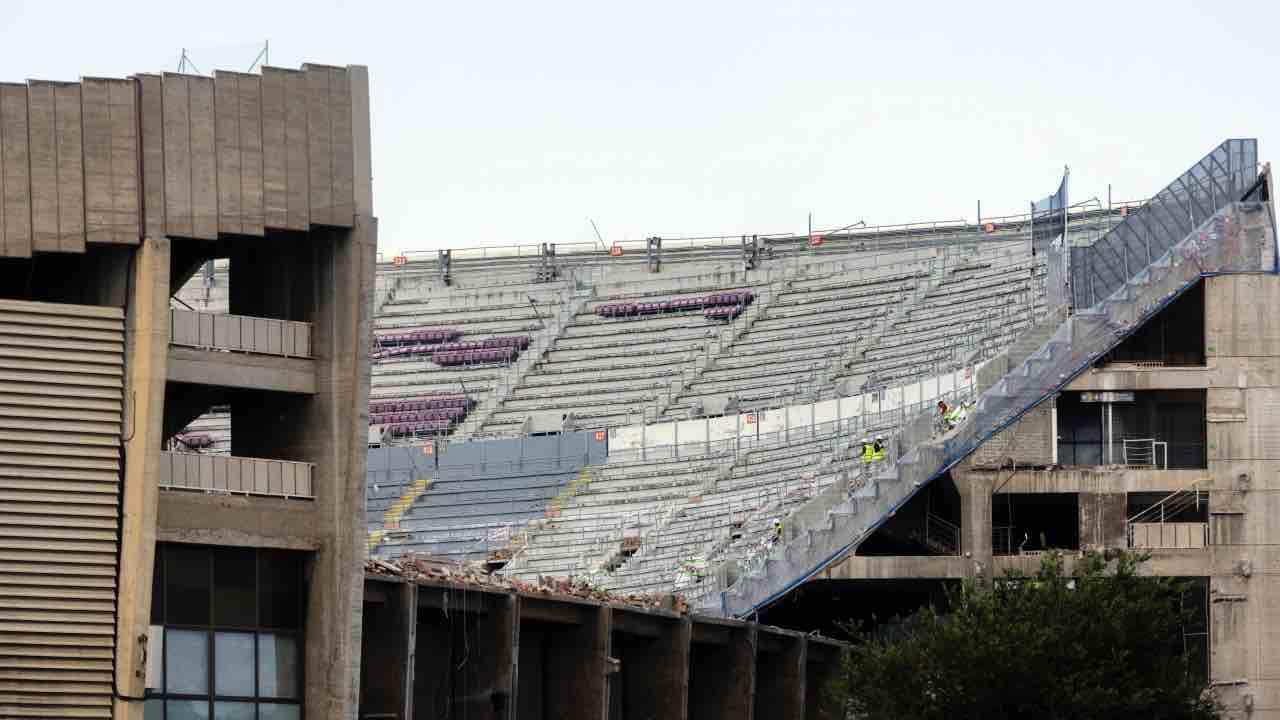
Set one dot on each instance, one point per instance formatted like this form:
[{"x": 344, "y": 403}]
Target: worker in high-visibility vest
[
  {"x": 868, "y": 453},
  {"x": 877, "y": 450}
]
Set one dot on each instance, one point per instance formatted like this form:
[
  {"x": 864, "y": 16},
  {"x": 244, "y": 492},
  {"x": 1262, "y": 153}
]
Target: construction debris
[{"x": 427, "y": 567}]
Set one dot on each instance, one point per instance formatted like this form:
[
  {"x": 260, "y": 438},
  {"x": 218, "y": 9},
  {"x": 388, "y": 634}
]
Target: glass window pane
[
  {"x": 276, "y": 711},
  {"x": 277, "y": 666},
  {"x": 232, "y": 711},
  {"x": 234, "y": 595},
  {"x": 186, "y": 586},
  {"x": 153, "y": 710},
  {"x": 233, "y": 664},
  {"x": 155, "y": 657},
  {"x": 187, "y": 662},
  {"x": 187, "y": 709},
  {"x": 279, "y": 578}
]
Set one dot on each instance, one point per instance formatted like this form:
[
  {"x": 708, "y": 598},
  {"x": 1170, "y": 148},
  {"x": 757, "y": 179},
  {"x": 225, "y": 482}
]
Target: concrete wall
[
  {"x": 1029, "y": 441},
  {"x": 434, "y": 650}
]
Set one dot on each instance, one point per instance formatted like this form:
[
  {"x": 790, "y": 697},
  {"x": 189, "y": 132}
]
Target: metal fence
[
  {"x": 236, "y": 475},
  {"x": 1218, "y": 179},
  {"x": 1239, "y": 238},
  {"x": 239, "y": 333}
]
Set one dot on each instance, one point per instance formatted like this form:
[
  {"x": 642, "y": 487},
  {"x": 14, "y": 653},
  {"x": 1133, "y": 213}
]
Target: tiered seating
[
  {"x": 982, "y": 304},
  {"x": 806, "y": 327},
  {"x": 420, "y": 417},
  {"x": 209, "y": 433},
  {"x": 586, "y": 525},
  {"x": 456, "y": 517},
  {"x": 782, "y": 475},
  {"x": 618, "y": 357},
  {"x": 477, "y": 314}
]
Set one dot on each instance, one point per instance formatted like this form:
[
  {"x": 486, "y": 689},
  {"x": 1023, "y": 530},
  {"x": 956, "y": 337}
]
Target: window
[{"x": 226, "y": 638}]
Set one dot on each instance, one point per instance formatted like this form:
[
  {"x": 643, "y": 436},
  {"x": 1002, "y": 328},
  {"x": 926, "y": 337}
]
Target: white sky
[{"x": 500, "y": 122}]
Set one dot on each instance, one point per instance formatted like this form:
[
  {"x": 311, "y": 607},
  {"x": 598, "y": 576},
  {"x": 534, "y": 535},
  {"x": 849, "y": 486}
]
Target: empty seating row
[
  {"x": 456, "y": 413},
  {"x": 418, "y": 336},
  {"x": 432, "y": 402},
  {"x": 736, "y": 297}
]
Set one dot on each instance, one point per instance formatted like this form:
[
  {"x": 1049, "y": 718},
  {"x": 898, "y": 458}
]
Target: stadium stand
[{"x": 471, "y": 497}]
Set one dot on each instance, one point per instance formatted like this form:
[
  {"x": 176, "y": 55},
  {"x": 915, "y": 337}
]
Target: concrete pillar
[
  {"x": 722, "y": 671},
  {"x": 334, "y": 436},
  {"x": 147, "y": 345},
  {"x": 652, "y": 651},
  {"x": 780, "y": 674},
  {"x": 975, "y": 519},
  {"x": 1103, "y": 520},
  {"x": 388, "y": 646}
]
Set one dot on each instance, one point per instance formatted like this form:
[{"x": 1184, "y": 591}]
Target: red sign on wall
[
  {"x": 750, "y": 418},
  {"x": 399, "y": 260},
  {"x": 599, "y": 435},
  {"x": 615, "y": 251}
]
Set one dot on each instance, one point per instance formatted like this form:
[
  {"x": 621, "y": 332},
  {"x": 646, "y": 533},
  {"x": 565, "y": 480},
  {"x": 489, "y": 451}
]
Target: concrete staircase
[
  {"x": 574, "y": 301},
  {"x": 723, "y": 345}
]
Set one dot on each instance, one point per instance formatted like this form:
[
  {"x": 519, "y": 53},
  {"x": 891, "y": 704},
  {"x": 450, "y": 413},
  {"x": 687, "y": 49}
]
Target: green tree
[{"x": 1100, "y": 642}]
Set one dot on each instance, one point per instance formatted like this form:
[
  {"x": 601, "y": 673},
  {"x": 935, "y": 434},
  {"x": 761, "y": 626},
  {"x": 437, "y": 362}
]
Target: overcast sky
[{"x": 500, "y": 123}]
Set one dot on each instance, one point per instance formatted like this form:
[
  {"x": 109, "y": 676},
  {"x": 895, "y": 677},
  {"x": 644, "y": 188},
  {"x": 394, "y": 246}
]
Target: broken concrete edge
[{"x": 616, "y": 602}]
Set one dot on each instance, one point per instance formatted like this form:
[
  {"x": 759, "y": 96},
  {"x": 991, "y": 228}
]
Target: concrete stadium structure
[
  {"x": 1129, "y": 408},
  {"x": 137, "y": 581}
]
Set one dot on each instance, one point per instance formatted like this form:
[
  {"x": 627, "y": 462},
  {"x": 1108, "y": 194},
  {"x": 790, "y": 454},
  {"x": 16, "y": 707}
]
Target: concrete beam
[
  {"x": 890, "y": 567},
  {"x": 722, "y": 670},
  {"x": 780, "y": 675},
  {"x": 1096, "y": 479},
  {"x": 242, "y": 370},
  {"x": 235, "y": 520}
]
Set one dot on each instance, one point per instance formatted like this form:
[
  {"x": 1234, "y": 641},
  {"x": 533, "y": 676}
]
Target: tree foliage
[{"x": 1100, "y": 642}]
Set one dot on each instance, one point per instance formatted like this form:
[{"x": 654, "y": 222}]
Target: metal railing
[
  {"x": 227, "y": 474},
  {"x": 239, "y": 333},
  {"x": 1146, "y": 452}
]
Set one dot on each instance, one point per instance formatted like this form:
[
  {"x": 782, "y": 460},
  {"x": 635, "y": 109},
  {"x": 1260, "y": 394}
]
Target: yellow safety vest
[
  {"x": 877, "y": 455},
  {"x": 867, "y": 453}
]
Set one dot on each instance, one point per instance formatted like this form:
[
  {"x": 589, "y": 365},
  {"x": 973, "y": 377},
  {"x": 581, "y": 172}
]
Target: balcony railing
[
  {"x": 239, "y": 333},
  {"x": 1169, "y": 535},
  {"x": 227, "y": 474}
]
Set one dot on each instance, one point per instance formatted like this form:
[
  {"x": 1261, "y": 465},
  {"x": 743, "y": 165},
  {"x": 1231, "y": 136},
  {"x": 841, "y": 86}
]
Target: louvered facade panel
[{"x": 61, "y": 390}]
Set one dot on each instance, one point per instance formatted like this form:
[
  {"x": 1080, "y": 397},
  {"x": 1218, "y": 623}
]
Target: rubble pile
[{"x": 426, "y": 567}]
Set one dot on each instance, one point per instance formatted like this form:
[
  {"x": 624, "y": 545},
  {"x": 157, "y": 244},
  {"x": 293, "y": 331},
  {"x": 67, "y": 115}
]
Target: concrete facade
[
  {"x": 1241, "y": 378},
  {"x": 115, "y": 192}
]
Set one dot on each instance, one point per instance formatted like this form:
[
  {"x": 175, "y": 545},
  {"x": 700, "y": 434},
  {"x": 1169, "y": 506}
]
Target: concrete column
[
  {"x": 332, "y": 432},
  {"x": 1103, "y": 519},
  {"x": 722, "y": 671},
  {"x": 780, "y": 674},
  {"x": 147, "y": 347},
  {"x": 975, "y": 519},
  {"x": 389, "y": 638}
]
